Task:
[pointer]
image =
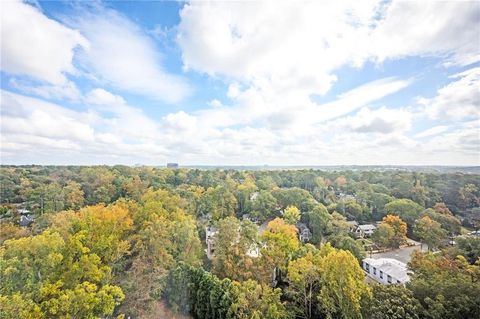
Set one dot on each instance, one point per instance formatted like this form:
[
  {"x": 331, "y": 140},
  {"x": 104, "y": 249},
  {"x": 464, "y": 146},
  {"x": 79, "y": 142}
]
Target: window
[
  {"x": 381, "y": 274},
  {"x": 367, "y": 267},
  {"x": 389, "y": 279},
  {"x": 374, "y": 270},
  {"x": 398, "y": 282}
]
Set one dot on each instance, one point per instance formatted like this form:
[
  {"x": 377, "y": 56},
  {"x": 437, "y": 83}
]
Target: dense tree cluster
[
  {"x": 87, "y": 262},
  {"x": 119, "y": 241},
  {"x": 203, "y": 295}
]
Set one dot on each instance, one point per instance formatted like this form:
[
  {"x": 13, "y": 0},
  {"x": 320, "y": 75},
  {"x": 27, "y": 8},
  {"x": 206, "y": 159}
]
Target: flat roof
[{"x": 390, "y": 266}]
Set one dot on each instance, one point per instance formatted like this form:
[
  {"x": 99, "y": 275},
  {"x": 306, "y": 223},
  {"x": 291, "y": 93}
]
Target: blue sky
[{"x": 240, "y": 83}]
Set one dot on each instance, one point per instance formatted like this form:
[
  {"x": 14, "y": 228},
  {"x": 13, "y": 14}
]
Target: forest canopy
[{"x": 104, "y": 242}]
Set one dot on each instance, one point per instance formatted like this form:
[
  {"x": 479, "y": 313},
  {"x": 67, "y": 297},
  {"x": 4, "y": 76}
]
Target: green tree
[
  {"x": 244, "y": 191},
  {"x": 195, "y": 291},
  {"x": 74, "y": 196},
  {"x": 353, "y": 209},
  {"x": 406, "y": 209},
  {"x": 392, "y": 302},
  {"x": 234, "y": 244},
  {"x": 320, "y": 222},
  {"x": 219, "y": 202},
  {"x": 469, "y": 247},
  {"x": 445, "y": 287},
  {"x": 448, "y": 222},
  {"x": 383, "y": 235},
  {"x": 392, "y": 236},
  {"x": 339, "y": 224},
  {"x": 264, "y": 205},
  {"x": 133, "y": 187},
  {"x": 162, "y": 234},
  {"x": 295, "y": 196},
  {"x": 255, "y": 301},
  {"x": 469, "y": 196},
  {"x": 430, "y": 232},
  {"x": 348, "y": 243}
]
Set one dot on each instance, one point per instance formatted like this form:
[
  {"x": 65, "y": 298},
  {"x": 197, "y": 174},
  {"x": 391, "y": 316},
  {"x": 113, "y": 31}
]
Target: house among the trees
[
  {"x": 25, "y": 220},
  {"x": 254, "y": 196},
  {"x": 23, "y": 211},
  {"x": 304, "y": 233},
  {"x": 366, "y": 230},
  {"x": 386, "y": 270},
  {"x": 210, "y": 233},
  {"x": 344, "y": 196}
]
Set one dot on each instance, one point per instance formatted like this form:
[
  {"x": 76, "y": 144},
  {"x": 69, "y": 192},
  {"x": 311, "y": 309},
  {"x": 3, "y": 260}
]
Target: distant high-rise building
[{"x": 172, "y": 165}]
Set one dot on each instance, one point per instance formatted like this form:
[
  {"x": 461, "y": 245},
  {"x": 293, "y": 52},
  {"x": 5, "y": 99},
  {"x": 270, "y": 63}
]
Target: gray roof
[
  {"x": 367, "y": 227},
  {"x": 396, "y": 269},
  {"x": 25, "y": 220}
]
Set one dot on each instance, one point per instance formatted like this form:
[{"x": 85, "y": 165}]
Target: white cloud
[
  {"x": 111, "y": 132},
  {"x": 215, "y": 103},
  {"x": 432, "y": 131},
  {"x": 356, "y": 98},
  {"x": 123, "y": 55},
  {"x": 273, "y": 56},
  {"x": 292, "y": 110},
  {"x": 28, "y": 116},
  {"x": 110, "y": 129},
  {"x": 67, "y": 90},
  {"x": 286, "y": 44},
  {"x": 428, "y": 28},
  {"x": 102, "y": 97},
  {"x": 123, "y": 120},
  {"x": 180, "y": 121},
  {"x": 465, "y": 140},
  {"x": 36, "y": 46},
  {"x": 457, "y": 100},
  {"x": 297, "y": 46},
  {"x": 382, "y": 120}
]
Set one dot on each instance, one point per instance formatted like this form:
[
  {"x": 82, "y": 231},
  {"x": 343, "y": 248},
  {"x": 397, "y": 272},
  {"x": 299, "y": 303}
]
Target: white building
[
  {"x": 386, "y": 270},
  {"x": 365, "y": 230},
  {"x": 23, "y": 211}
]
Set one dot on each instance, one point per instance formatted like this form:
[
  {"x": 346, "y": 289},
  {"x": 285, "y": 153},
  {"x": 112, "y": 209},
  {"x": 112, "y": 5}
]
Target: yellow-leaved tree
[
  {"x": 327, "y": 283},
  {"x": 280, "y": 242}
]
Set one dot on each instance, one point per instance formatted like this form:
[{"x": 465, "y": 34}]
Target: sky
[{"x": 240, "y": 83}]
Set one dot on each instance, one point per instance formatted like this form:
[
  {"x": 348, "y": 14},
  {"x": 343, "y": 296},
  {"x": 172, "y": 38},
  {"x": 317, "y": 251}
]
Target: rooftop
[
  {"x": 390, "y": 266},
  {"x": 367, "y": 227}
]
